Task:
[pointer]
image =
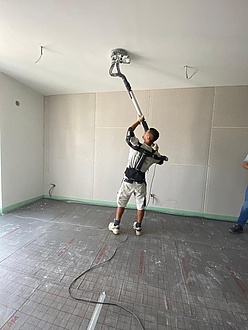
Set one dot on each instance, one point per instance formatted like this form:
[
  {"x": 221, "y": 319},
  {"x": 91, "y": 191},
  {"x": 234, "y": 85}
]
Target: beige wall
[
  {"x": 203, "y": 132},
  {"x": 21, "y": 130}
]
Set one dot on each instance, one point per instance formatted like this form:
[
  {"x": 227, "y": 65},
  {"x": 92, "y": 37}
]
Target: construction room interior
[{"x": 74, "y": 76}]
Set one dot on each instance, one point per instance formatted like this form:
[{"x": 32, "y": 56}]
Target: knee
[{"x": 245, "y": 206}]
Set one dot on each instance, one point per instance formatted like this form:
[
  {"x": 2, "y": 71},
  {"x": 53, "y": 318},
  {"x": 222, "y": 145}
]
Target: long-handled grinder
[{"x": 121, "y": 56}]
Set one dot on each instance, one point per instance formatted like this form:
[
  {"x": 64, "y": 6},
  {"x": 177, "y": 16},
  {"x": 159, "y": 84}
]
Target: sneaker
[
  {"x": 138, "y": 230},
  {"x": 236, "y": 229},
  {"x": 113, "y": 228}
]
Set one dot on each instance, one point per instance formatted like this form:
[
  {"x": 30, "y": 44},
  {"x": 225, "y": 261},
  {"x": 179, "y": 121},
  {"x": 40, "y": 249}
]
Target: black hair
[{"x": 155, "y": 134}]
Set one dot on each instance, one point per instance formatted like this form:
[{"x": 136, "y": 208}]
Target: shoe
[
  {"x": 113, "y": 228},
  {"x": 236, "y": 229},
  {"x": 138, "y": 230}
]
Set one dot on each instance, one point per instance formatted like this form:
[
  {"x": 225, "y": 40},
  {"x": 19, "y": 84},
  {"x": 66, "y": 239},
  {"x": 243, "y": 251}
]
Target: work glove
[
  {"x": 155, "y": 147},
  {"x": 141, "y": 118}
]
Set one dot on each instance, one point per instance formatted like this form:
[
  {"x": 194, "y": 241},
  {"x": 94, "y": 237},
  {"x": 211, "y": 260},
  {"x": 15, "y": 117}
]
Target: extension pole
[
  {"x": 118, "y": 55},
  {"x": 133, "y": 98}
]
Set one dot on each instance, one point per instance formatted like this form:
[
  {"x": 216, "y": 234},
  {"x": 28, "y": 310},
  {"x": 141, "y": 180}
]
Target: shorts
[{"x": 127, "y": 189}]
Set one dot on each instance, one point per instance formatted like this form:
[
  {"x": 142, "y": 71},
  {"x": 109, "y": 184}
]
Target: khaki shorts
[{"x": 127, "y": 189}]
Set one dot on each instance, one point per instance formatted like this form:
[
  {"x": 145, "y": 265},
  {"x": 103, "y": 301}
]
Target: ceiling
[{"x": 161, "y": 36}]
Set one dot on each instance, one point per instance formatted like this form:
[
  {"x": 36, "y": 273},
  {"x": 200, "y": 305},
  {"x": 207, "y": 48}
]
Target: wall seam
[
  {"x": 94, "y": 151},
  {"x": 1, "y": 193},
  {"x": 149, "y": 106},
  {"x": 44, "y": 142},
  {"x": 209, "y": 155}
]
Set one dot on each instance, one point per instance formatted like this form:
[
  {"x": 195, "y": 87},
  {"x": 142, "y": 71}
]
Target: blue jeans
[{"x": 244, "y": 211}]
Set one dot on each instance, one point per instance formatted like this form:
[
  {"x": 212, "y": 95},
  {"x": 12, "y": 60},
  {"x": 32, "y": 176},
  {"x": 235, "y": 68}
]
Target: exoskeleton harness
[{"x": 134, "y": 174}]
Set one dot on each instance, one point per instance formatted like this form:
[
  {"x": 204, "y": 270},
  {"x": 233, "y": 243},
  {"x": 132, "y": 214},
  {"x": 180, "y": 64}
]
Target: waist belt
[
  {"x": 134, "y": 175},
  {"x": 132, "y": 181}
]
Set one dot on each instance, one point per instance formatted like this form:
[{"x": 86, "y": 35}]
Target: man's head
[{"x": 151, "y": 136}]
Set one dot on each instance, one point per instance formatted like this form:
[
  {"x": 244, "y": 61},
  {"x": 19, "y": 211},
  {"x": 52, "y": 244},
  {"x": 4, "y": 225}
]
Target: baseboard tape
[
  {"x": 149, "y": 208},
  {"x": 130, "y": 206},
  {"x": 19, "y": 204}
]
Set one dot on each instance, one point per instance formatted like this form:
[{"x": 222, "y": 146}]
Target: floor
[{"x": 182, "y": 273}]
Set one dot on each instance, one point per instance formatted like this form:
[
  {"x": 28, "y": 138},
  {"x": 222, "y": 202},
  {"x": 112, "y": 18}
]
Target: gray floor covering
[{"x": 182, "y": 273}]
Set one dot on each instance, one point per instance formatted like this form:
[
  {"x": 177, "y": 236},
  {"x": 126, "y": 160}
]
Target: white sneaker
[
  {"x": 138, "y": 230},
  {"x": 113, "y": 228}
]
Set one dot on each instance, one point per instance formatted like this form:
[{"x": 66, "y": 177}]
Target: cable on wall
[
  {"x": 41, "y": 54},
  {"x": 187, "y": 67},
  {"x": 51, "y": 189}
]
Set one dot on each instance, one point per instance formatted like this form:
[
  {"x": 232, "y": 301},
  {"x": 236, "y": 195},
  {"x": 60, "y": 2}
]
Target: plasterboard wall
[
  {"x": 229, "y": 145},
  {"x": 86, "y": 153},
  {"x": 21, "y": 130},
  {"x": 69, "y": 145},
  {"x": 1, "y": 145}
]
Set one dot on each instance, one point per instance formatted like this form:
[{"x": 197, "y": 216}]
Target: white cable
[{"x": 151, "y": 184}]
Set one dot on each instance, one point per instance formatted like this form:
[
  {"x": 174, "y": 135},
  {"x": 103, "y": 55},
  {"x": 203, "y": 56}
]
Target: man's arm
[
  {"x": 245, "y": 165},
  {"x": 137, "y": 123}
]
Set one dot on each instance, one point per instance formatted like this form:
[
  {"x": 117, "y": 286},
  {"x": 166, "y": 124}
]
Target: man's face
[{"x": 147, "y": 137}]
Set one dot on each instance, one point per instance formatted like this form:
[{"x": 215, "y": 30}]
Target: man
[
  {"x": 141, "y": 157},
  {"x": 237, "y": 228}
]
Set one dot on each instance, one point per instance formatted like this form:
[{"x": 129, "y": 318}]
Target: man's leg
[
  {"x": 119, "y": 213},
  {"x": 140, "y": 216},
  {"x": 115, "y": 226},
  {"x": 137, "y": 224},
  {"x": 123, "y": 196},
  {"x": 243, "y": 216},
  {"x": 140, "y": 194},
  {"x": 244, "y": 211}
]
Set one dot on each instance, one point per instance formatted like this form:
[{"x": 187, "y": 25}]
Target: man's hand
[
  {"x": 141, "y": 118},
  {"x": 165, "y": 159}
]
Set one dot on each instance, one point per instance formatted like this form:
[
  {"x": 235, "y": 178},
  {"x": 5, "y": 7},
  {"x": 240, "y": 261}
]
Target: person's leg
[
  {"x": 140, "y": 216},
  {"x": 115, "y": 226},
  {"x": 140, "y": 194},
  {"x": 243, "y": 216},
  {"x": 119, "y": 213},
  {"x": 123, "y": 197}
]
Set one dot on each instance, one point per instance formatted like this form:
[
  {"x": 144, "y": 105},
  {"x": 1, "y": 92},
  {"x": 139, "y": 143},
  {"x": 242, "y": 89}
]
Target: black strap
[{"x": 138, "y": 147}]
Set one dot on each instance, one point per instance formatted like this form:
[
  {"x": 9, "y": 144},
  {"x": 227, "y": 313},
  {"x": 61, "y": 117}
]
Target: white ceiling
[{"x": 161, "y": 36}]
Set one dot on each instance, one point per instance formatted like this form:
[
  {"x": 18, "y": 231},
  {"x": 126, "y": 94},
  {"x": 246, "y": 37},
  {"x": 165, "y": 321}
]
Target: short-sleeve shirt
[{"x": 135, "y": 155}]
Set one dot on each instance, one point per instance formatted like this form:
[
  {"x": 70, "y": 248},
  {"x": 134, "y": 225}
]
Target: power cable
[
  {"x": 151, "y": 184},
  {"x": 103, "y": 303},
  {"x": 51, "y": 189},
  {"x": 41, "y": 54}
]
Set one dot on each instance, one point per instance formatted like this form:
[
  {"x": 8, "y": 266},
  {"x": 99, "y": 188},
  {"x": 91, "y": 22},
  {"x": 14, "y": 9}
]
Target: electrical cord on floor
[{"x": 103, "y": 303}]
